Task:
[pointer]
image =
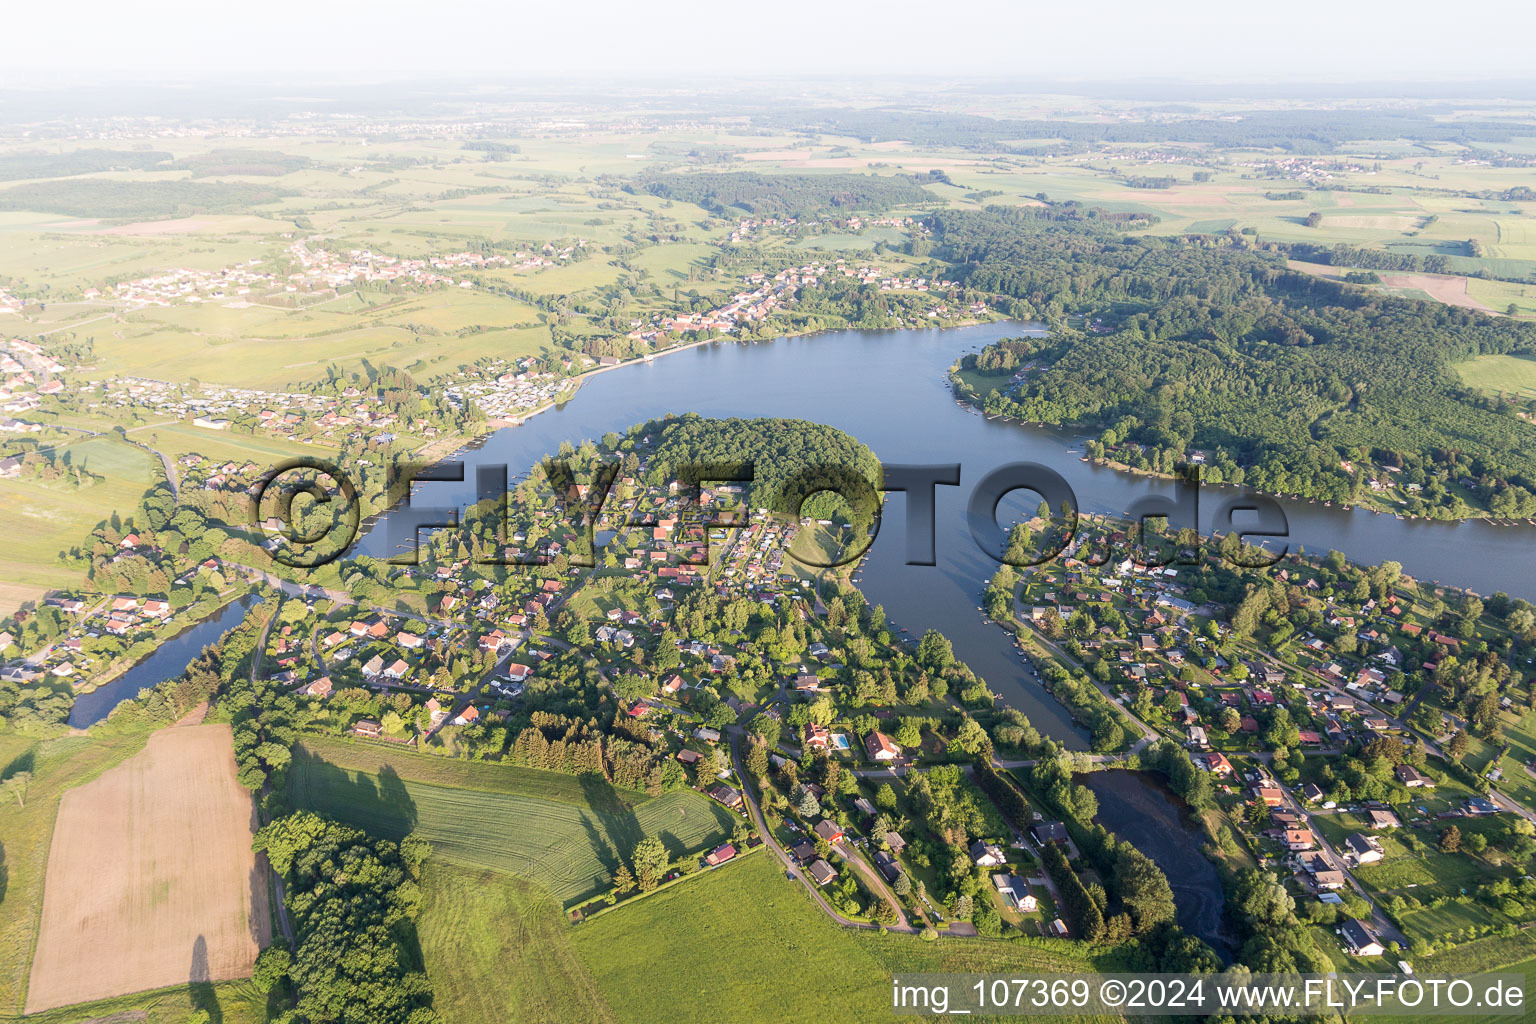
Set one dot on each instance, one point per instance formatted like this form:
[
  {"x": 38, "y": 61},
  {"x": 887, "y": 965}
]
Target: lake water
[
  {"x": 168, "y": 661},
  {"x": 1139, "y": 809},
  {"x": 889, "y": 390}
]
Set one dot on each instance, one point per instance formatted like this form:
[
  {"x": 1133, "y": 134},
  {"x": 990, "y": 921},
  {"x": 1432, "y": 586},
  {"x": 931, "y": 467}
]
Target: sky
[{"x": 91, "y": 41}]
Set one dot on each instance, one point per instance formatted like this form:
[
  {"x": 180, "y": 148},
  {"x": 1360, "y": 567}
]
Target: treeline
[
  {"x": 777, "y": 195},
  {"x": 557, "y": 743},
  {"x": 352, "y": 898},
  {"x": 1295, "y": 131},
  {"x": 263, "y": 162},
  {"x": 20, "y": 166},
  {"x": 93, "y": 197},
  {"x": 1342, "y": 255},
  {"x": 1081, "y": 907}
]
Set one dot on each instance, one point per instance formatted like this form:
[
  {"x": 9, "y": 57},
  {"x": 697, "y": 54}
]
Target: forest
[
  {"x": 779, "y": 195},
  {"x": 95, "y": 197},
  {"x": 1287, "y": 382}
]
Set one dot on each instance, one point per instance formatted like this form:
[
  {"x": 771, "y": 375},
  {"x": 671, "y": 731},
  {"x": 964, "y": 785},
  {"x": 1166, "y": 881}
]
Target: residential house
[
  {"x": 880, "y": 747},
  {"x": 1360, "y": 940},
  {"x": 987, "y": 855}
]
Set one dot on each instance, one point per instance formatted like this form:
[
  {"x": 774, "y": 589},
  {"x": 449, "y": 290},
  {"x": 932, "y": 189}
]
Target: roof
[{"x": 1357, "y": 935}]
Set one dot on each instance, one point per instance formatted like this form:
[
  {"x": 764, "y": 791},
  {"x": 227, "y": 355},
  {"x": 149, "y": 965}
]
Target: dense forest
[
  {"x": 778, "y": 195},
  {"x": 1295, "y": 131},
  {"x": 791, "y": 460},
  {"x": 20, "y": 166},
  {"x": 93, "y": 197},
  {"x": 1287, "y": 382},
  {"x": 266, "y": 162}
]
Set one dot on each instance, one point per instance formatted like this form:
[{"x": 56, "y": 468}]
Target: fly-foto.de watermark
[{"x": 329, "y": 537}]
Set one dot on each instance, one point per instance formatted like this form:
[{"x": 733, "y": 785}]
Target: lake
[{"x": 889, "y": 390}]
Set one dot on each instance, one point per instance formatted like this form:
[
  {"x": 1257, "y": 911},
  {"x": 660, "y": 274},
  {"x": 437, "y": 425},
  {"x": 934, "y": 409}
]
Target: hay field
[{"x": 151, "y": 880}]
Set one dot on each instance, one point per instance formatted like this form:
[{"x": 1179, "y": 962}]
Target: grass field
[
  {"x": 375, "y": 759},
  {"x": 745, "y": 944},
  {"x": 564, "y": 847},
  {"x": 41, "y": 519},
  {"x": 151, "y": 878},
  {"x": 498, "y": 948},
  {"x": 1499, "y": 374}
]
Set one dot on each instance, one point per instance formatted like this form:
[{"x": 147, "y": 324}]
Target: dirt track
[{"x": 151, "y": 879}]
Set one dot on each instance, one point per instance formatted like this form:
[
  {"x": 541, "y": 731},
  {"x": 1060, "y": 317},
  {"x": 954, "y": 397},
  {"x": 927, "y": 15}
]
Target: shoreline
[{"x": 967, "y": 397}]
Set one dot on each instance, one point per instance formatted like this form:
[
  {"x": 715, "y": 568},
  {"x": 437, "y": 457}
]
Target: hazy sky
[{"x": 90, "y": 40}]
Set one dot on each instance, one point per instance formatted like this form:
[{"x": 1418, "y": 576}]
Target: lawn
[
  {"x": 745, "y": 944},
  {"x": 1498, "y": 374},
  {"x": 498, "y": 948},
  {"x": 565, "y": 847}
]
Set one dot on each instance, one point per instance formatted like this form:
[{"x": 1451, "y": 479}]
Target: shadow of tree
[
  {"x": 5, "y": 874},
  {"x": 379, "y": 804},
  {"x": 205, "y": 1002}
]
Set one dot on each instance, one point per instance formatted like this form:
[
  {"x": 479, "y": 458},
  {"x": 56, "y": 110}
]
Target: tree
[
  {"x": 935, "y": 652},
  {"x": 624, "y": 879},
  {"x": 1456, "y": 748},
  {"x": 272, "y": 965},
  {"x": 885, "y": 797},
  {"x": 808, "y": 805},
  {"x": 1450, "y": 840},
  {"x": 650, "y": 859}
]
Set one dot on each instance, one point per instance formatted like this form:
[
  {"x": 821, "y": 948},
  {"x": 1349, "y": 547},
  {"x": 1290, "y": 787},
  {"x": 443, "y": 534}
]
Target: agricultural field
[
  {"x": 564, "y": 847},
  {"x": 772, "y": 955},
  {"x": 498, "y": 948},
  {"x": 151, "y": 878}
]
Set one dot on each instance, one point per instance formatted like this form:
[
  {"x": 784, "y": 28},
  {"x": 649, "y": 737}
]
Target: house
[
  {"x": 1411, "y": 777},
  {"x": 804, "y": 851},
  {"x": 807, "y": 683},
  {"x": 895, "y": 842},
  {"x": 887, "y": 865},
  {"x": 367, "y": 727},
  {"x": 672, "y": 684},
  {"x": 1015, "y": 891},
  {"x": 1384, "y": 819},
  {"x": 688, "y": 756},
  {"x": 720, "y": 854},
  {"x": 1311, "y": 792},
  {"x": 319, "y": 688},
  {"x": 707, "y": 734},
  {"x": 1049, "y": 832},
  {"x": 1360, "y": 940},
  {"x": 821, "y": 871},
  {"x": 1363, "y": 849},
  {"x": 880, "y": 748},
  {"x": 1328, "y": 880},
  {"x": 467, "y": 716},
  {"x": 1197, "y": 738},
  {"x": 864, "y": 807},
  {"x": 829, "y": 830},
  {"x": 374, "y": 665},
  {"x": 728, "y": 796},
  {"x": 815, "y": 737},
  {"x": 1059, "y": 928},
  {"x": 1272, "y": 796},
  {"x": 410, "y": 641},
  {"x": 1296, "y": 839},
  {"x": 986, "y": 855},
  {"x": 1218, "y": 765},
  {"x": 397, "y": 670}
]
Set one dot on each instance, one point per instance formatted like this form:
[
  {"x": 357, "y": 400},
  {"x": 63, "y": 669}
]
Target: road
[{"x": 790, "y": 867}]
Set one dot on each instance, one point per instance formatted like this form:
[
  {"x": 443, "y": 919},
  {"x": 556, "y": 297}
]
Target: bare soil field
[
  {"x": 1445, "y": 288},
  {"x": 1450, "y": 290},
  {"x": 151, "y": 880}
]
